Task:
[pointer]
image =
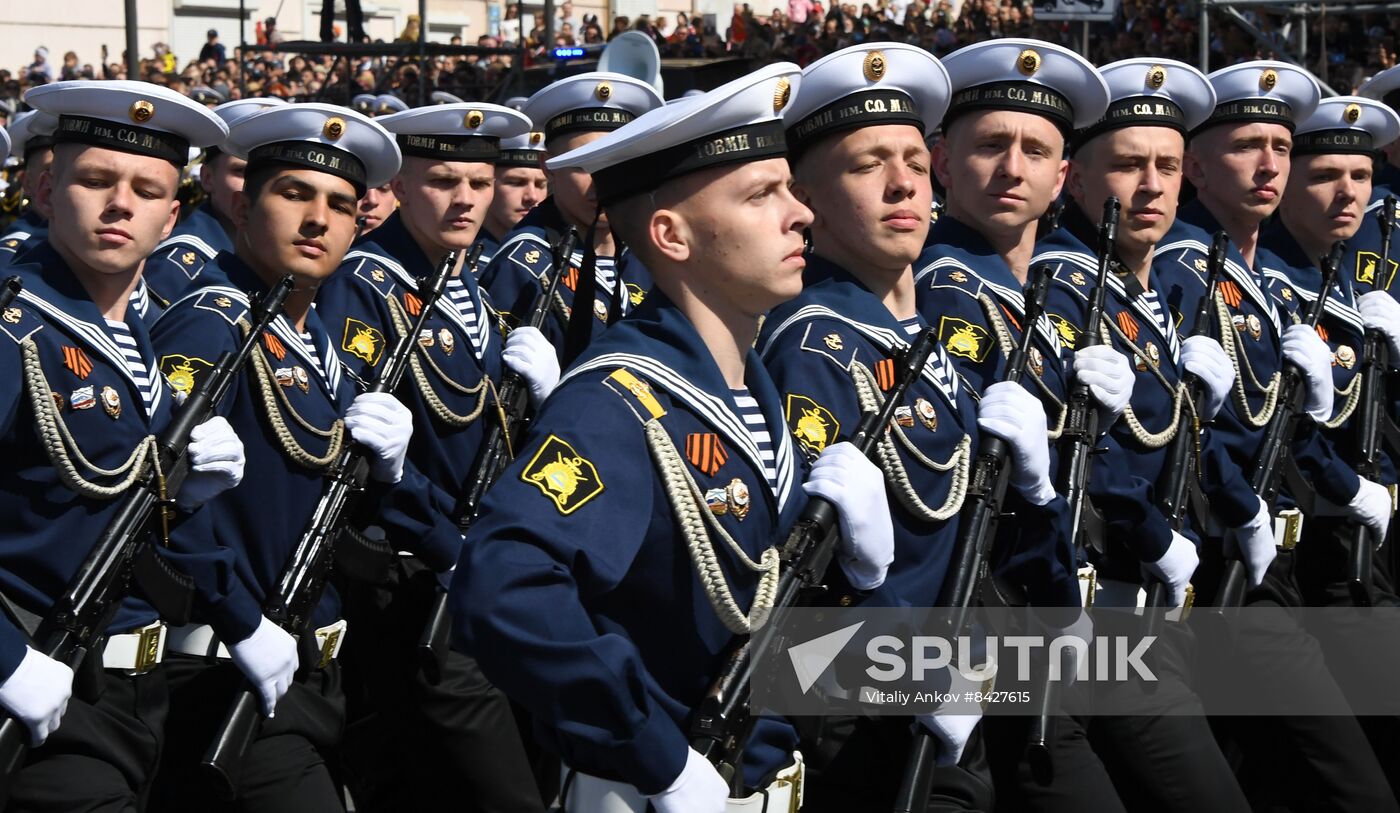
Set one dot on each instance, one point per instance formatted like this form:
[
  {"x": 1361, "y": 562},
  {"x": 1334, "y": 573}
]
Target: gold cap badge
[
  {"x": 142, "y": 111},
  {"x": 1352, "y": 113},
  {"x": 1268, "y": 79},
  {"x": 334, "y": 129},
  {"x": 603, "y": 91},
  {"x": 1156, "y": 77},
  {"x": 536, "y": 137},
  {"x": 875, "y": 66},
  {"x": 781, "y": 94},
  {"x": 474, "y": 119},
  {"x": 1028, "y": 62}
]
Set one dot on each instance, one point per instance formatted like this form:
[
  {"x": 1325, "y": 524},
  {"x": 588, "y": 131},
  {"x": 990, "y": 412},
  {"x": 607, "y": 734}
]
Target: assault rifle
[
  {"x": 981, "y": 513},
  {"x": 1279, "y": 434},
  {"x": 1183, "y": 455},
  {"x": 1372, "y": 419},
  {"x": 722, "y": 723},
  {"x": 75, "y": 626},
  {"x": 496, "y": 452},
  {"x": 9, "y": 290},
  {"x": 303, "y": 578}
]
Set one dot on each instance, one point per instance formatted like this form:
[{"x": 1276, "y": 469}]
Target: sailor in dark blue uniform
[
  {"x": 375, "y": 208},
  {"x": 520, "y": 186},
  {"x": 431, "y": 742},
  {"x": 1238, "y": 161},
  {"x": 30, "y": 138},
  {"x": 1328, "y": 187},
  {"x": 1363, "y": 263},
  {"x": 1001, "y": 161},
  {"x": 1135, "y": 152},
  {"x": 173, "y": 269},
  {"x": 308, "y": 165},
  {"x": 856, "y": 135},
  {"x": 571, "y": 113},
  {"x": 82, "y": 403},
  {"x": 581, "y": 593}
]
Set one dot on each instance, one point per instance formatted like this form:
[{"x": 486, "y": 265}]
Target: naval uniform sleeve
[
  {"x": 188, "y": 342},
  {"x": 963, "y": 330},
  {"x": 415, "y": 512},
  {"x": 349, "y": 305},
  {"x": 12, "y": 640},
  {"x": 1323, "y": 466},
  {"x": 547, "y": 544},
  {"x": 1223, "y": 477}
]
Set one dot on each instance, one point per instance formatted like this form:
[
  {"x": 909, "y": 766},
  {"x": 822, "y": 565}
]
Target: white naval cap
[
  {"x": 517, "y": 103},
  {"x": 1150, "y": 92},
  {"x": 523, "y": 150},
  {"x": 31, "y": 130},
  {"x": 443, "y": 97},
  {"x": 239, "y": 109},
  {"x": 1262, "y": 91},
  {"x": 1030, "y": 76},
  {"x": 135, "y": 117},
  {"x": 455, "y": 132},
  {"x": 363, "y": 103},
  {"x": 738, "y": 122},
  {"x": 4, "y": 146},
  {"x": 324, "y": 137},
  {"x": 590, "y": 102},
  {"x": 207, "y": 96},
  {"x": 1384, "y": 86},
  {"x": 1346, "y": 124},
  {"x": 866, "y": 85},
  {"x": 387, "y": 103}
]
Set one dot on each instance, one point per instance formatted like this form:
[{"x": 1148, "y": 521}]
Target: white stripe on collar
[
  {"x": 480, "y": 339},
  {"x": 1341, "y": 310},
  {"x": 1010, "y": 296},
  {"x": 1090, "y": 263},
  {"x": 329, "y": 360},
  {"x": 191, "y": 241},
  {"x": 1240, "y": 276},
  {"x": 714, "y": 410},
  {"x": 938, "y": 370}
]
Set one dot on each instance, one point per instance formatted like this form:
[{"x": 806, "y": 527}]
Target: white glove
[
  {"x": 268, "y": 658},
  {"x": 1307, "y": 350},
  {"x": 37, "y": 693},
  {"x": 384, "y": 426},
  {"x": 1204, "y": 357},
  {"x": 532, "y": 357},
  {"x": 953, "y": 721},
  {"x": 1109, "y": 377},
  {"x": 699, "y": 789},
  {"x": 1175, "y": 568},
  {"x": 848, "y": 480},
  {"x": 1011, "y": 413},
  {"x": 1254, "y": 543},
  {"x": 216, "y": 463},
  {"x": 1371, "y": 507},
  {"x": 1379, "y": 310}
]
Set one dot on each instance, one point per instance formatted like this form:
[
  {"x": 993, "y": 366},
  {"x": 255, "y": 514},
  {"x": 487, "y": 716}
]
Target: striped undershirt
[
  {"x": 138, "y": 366},
  {"x": 753, "y": 420}
]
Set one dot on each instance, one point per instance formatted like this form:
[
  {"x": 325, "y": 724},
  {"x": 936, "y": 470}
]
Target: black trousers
[
  {"x": 103, "y": 755},
  {"x": 409, "y": 745},
  {"x": 288, "y": 767},
  {"x": 1160, "y": 752},
  {"x": 1300, "y": 762},
  {"x": 354, "y": 21},
  {"x": 854, "y": 765}
]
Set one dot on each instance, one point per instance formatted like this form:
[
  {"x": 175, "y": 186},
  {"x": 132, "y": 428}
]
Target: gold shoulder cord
[
  {"x": 1008, "y": 346},
  {"x": 696, "y": 523},
  {"x": 1151, "y": 440},
  {"x": 270, "y": 393},
  {"x": 1242, "y": 368},
  {"x": 959, "y": 463},
  {"x": 436, "y": 405}
]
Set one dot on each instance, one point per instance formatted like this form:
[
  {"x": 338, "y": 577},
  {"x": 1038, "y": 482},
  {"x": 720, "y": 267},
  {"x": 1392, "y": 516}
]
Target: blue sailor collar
[
  {"x": 659, "y": 342},
  {"x": 830, "y": 291},
  {"x": 52, "y": 289},
  {"x": 1065, "y": 245},
  {"x": 247, "y": 287},
  {"x": 1388, "y": 176},
  {"x": 393, "y": 247},
  {"x": 1193, "y": 229},
  {"x": 1286, "y": 261},
  {"x": 952, "y": 242}
]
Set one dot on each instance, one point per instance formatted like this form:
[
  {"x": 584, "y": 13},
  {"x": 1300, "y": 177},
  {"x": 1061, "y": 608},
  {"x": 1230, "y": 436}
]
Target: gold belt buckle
[
  {"x": 148, "y": 647},
  {"x": 328, "y": 637},
  {"x": 1292, "y": 528}
]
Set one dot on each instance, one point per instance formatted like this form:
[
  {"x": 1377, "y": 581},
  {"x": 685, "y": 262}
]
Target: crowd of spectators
[{"x": 1343, "y": 49}]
